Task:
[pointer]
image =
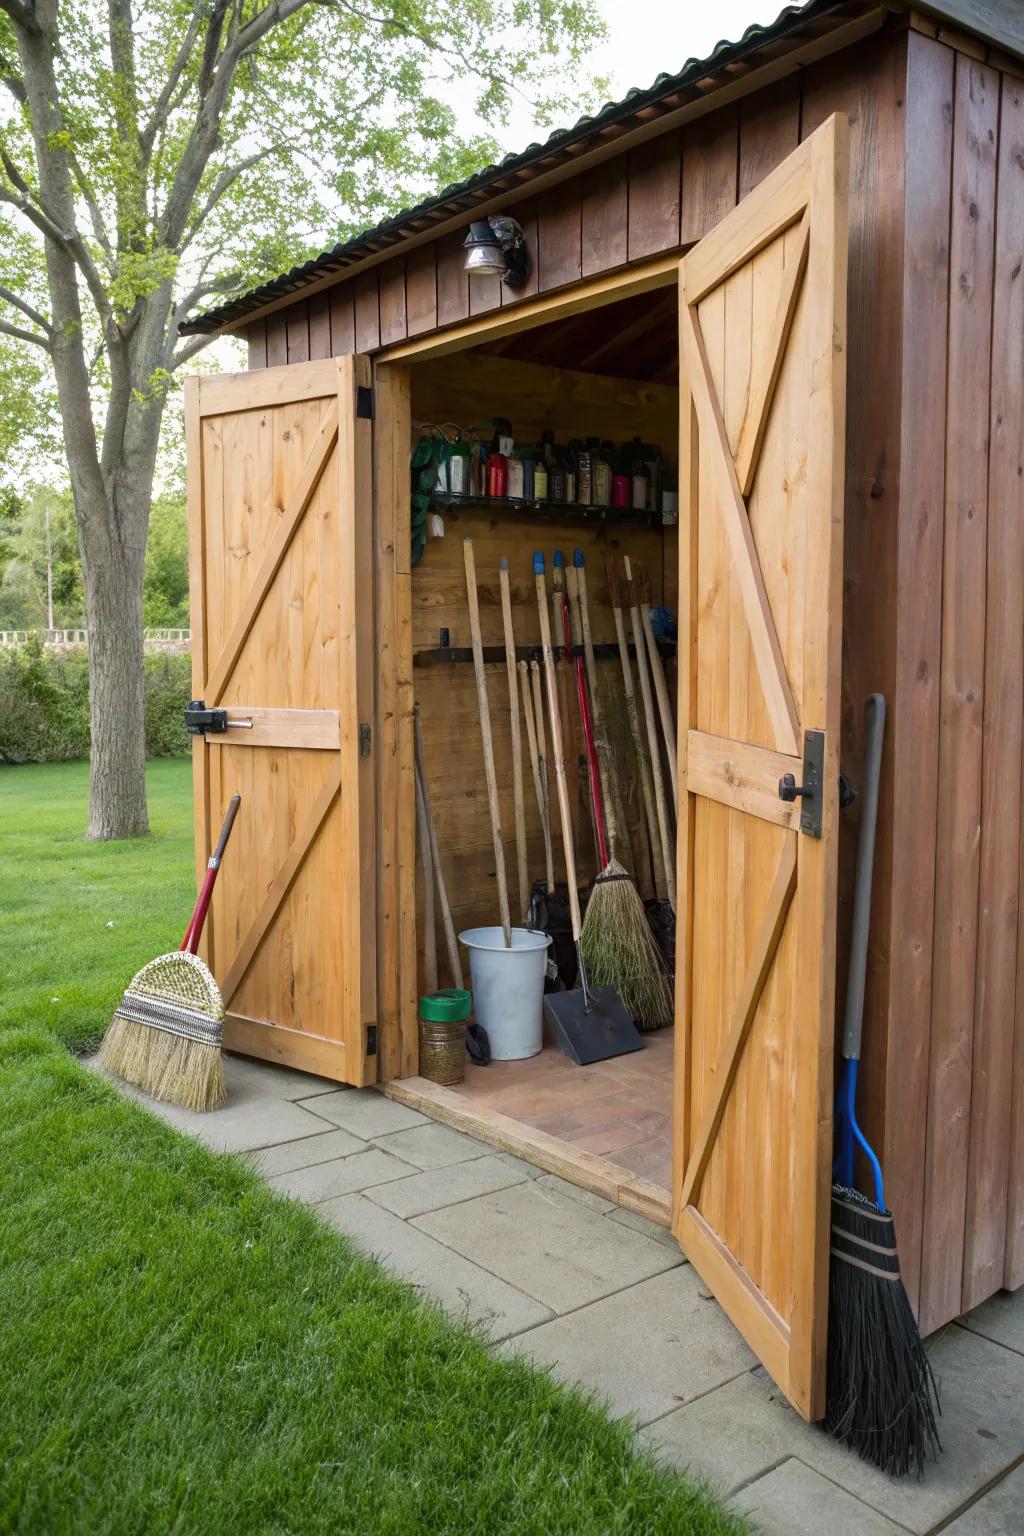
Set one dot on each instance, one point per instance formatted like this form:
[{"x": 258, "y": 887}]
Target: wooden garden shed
[{"x": 796, "y": 266}]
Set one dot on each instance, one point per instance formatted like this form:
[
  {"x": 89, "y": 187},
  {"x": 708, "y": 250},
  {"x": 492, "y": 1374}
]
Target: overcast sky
[{"x": 647, "y": 38}]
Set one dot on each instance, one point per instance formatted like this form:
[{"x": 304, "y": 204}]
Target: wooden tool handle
[
  {"x": 556, "y": 746},
  {"x": 485, "y": 733},
  {"x": 664, "y": 826},
  {"x": 517, "y": 757},
  {"x": 668, "y": 725},
  {"x": 646, "y": 783},
  {"x": 194, "y": 931},
  {"x": 542, "y": 764},
  {"x": 429, "y": 920},
  {"x": 454, "y": 961}
]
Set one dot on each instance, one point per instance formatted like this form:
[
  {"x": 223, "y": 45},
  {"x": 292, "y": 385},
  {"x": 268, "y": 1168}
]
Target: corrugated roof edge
[{"x": 390, "y": 229}]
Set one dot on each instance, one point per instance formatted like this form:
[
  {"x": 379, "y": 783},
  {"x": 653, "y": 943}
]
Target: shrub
[{"x": 44, "y": 705}]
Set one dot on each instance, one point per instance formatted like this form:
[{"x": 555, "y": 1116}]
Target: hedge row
[{"x": 44, "y": 705}]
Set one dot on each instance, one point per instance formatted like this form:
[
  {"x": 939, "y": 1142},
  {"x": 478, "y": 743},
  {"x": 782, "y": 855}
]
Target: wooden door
[
  {"x": 282, "y": 614},
  {"x": 762, "y": 324}
]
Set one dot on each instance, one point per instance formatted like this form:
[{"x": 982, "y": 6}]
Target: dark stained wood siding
[{"x": 934, "y": 566}]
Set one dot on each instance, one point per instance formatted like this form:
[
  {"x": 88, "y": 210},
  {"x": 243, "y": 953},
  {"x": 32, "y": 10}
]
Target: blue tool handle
[
  {"x": 853, "y": 1018},
  {"x": 558, "y": 559},
  {"x": 577, "y": 559},
  {"x": 538, "y": 563}
]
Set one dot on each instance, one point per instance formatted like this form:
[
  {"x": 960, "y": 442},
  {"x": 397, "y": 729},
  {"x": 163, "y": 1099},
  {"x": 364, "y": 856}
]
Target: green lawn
[{"x": 182, "y": 1351}]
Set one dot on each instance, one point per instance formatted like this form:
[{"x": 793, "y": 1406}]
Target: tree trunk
[{"x": 113, "y": 605}]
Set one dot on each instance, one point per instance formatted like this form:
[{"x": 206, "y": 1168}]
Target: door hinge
[
  {"x": 366, "y": 405},
  {"x": 365, "y": 740},
  {"x": 371, "y": 1039}
]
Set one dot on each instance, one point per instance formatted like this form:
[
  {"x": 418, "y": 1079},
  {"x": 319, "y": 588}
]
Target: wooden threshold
[{"x": 548, "y": 1152}]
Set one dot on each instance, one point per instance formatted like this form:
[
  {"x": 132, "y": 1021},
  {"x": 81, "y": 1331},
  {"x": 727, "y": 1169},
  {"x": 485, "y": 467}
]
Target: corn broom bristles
[
  {"x": 619, "y": 950},
  {"x": 167, "y": 1067}
]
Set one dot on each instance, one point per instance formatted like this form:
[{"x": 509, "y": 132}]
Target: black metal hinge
[
  {"x": 365, "y": 740},
  {"x": 371, "y": 1039},
  {"x": 366, "y": 406},
  {"x": 809, "y": 791}
]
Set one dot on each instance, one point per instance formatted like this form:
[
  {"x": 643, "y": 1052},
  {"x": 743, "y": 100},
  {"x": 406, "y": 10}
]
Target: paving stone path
[{"x": 602, "y": 1296}]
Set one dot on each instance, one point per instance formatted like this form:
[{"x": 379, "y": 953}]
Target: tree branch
[
  {"x": 225, "y": 180},
  {"x": 163, "y": 102},
  {"x": 18, "y": 302},
  {"x": 9, "y": 76},
  {"x": 189, "y": 349},
  {"x": 22, "y": 13},
  {"x": 6, "y": 329}
]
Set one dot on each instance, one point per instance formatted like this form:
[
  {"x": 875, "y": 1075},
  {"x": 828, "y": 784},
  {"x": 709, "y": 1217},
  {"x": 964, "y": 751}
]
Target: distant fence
[{"x": 173, "y": 640}]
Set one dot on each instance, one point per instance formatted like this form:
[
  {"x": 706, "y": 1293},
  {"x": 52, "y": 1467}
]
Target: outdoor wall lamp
[{"x": 497, "y": 245}]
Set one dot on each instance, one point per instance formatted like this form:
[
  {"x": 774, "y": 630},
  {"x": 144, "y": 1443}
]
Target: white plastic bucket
[{"x": 508, "y": 989}]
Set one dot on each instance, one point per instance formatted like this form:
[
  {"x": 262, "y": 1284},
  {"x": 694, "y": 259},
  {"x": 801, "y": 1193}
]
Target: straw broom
[
  {"x": 165, "y": 1036},
  {"x": 618, "y": 948}
]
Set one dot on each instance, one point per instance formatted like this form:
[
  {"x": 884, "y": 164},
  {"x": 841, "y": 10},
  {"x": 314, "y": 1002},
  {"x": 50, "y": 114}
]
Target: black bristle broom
[{"x": 881, "y": 1394}]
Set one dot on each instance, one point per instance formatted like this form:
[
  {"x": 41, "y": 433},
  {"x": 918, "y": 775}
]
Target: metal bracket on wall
[{"x": 365, "y": 403}]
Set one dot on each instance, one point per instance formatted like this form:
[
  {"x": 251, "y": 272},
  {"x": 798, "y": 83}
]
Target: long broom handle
[
  {"x": 194, "y": 931},
  {"x": 556, "y": 746},
  {"x": 853, "y": 1019},
  {"x": 538, "y": 788},
  {"x": 429, "y": 920},
  {"x": 485, "y": 732},
  {"x": 542, "y": 764},
  {"x": 517, "y": 760},
  {"x": 646, "y": 783},
  {"x": 652, "y": 741},
  {"x": 454, "y": 961},
  {"x": 612, "y": 821},
  {"x": 586, "y": 719},
  {"x": 661, "y": 693}
]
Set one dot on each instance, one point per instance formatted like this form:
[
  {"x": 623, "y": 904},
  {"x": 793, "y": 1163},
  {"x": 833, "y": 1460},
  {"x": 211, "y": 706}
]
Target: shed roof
[{"x": 997, "y": 20}]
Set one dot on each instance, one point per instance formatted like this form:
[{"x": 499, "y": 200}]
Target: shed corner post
[{"x": 397, "y": 1049}]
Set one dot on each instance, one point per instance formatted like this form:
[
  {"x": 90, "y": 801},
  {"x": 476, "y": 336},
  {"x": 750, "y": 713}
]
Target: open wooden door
[
  {"x": 279, "y": 466},
  {"x": 762, "y": 325}
]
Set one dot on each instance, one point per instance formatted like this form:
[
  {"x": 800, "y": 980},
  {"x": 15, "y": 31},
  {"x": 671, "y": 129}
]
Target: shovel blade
[{"x": 606, "y": 1031}]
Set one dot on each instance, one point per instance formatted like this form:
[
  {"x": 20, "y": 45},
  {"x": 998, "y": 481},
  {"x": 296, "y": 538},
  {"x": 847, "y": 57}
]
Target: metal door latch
[
  {"x": 809, "y": 792},
  {"x": 200, "y": 721}
]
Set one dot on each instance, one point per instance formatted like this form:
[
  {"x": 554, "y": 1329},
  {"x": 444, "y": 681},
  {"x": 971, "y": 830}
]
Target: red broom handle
[
  {"x": 194, "y": 931},
  {"x": 588, "y": 737}
]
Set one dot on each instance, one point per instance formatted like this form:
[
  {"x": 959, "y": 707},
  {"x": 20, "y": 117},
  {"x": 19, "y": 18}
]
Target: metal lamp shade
[{"x": 483, "y": 253}]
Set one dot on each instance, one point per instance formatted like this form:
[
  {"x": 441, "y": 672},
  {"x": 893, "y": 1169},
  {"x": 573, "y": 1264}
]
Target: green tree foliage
[
  {"x": 165, "y": 599},
  {"x": 159, "y": 157},
  {"x": 23, "y": 564}
]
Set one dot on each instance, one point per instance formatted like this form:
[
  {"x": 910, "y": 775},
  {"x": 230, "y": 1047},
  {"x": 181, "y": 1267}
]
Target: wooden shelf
[{"x": 546, "y": 511}]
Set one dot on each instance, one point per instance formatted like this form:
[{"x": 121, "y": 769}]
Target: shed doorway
[{"x": 604, "y": 381}]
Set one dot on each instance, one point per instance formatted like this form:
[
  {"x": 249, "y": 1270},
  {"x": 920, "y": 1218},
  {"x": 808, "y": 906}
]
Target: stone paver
[
  {"x": 430, "y": 1145},
  {"x": 646, "y": 1351},
  {"x": 1000, "y": 1512},
  {"x": 745, "y": 1428},
  {"x": 552, "y": 1248},
  {"x": 461, "y": 1287},
  {"x": 365, "y": 1112},
  {"x": 1000, "y": 1319},
  {"x": 321, "y": 1148},
  {"x": 447, "y": 1186},
  {"x": 275, "y": 1081},
  {"x": 342, "y": 1176},
  {"x": 558, "y": 1186},
  {"x": 794, "y": 1500},
  {"x": 651, "y": 1229}
]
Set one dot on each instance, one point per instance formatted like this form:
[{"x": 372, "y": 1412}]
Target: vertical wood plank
[
  {"x": 343, "y": 321},
  {"x": 367, "y": 301},
  {"x": 526, "y": 213},
  {"x": 993, "y": 1195},
  {"x": 559, "y": 236},
  {"x": 297, "y": 330},
  {"x": 256, "y": 336},
  {"x": 452, "y": 279},
  {"x": 975, "y": 120},
  {"x": 277, "y": 339},
  {"x": 320, "y": 325},
  {"x": 769, "y": 127},
  {"x": 710, "y": 147},
  {"x": 421, "y": 290},
  {"x": 392, "y": 302},
  {"x": 654, "y": 171},
  {"x": 484, "y": 292},
  {"x": 605, "y": 216},
  {"x": 869, "y": 84},
  {"x": 912, "y": 747}
]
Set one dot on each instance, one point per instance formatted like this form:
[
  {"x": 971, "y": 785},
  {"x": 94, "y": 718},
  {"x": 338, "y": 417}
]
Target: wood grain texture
[
  {"x": 392, "y": 302},
  {"x": 277, "y": 339},
  {"x": 367, "y": 307},
  {"x": 320, "y": 325},
  {"x": 605, "y": 195},
  {"x": 421, "y": 290},
  {"x": 995, "y": 1182},
  {"x": 297, "y": 332},
  {"x": 526, "y": 213},
  {"x": 256, "y": 339},
  {"x": 343, "y": 320},
  {"x": 452, "y": 279},
  {"x": 654, "y": 176},
  {"x": 962, "y": 690},
  {"x": 769, "y": 128},
  {"x": 560, "y": 237},
  {"x": 710, "y": 159}
]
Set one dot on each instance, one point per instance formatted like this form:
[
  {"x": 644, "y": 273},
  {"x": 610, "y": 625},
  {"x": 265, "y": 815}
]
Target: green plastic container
[
  {"x": 443, "y": 1018},
  {"x": 450, "y": 1006}
]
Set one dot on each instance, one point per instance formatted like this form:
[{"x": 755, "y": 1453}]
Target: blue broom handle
[{"x": 853, "y": 1020}]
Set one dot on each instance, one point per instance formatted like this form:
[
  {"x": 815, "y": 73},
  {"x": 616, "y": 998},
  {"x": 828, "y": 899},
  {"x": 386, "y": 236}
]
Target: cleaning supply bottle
[
  {"x": 540, "y": 476},
  {"x": 640, "y": 480},
  {"x": 601, "y": 475}
]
